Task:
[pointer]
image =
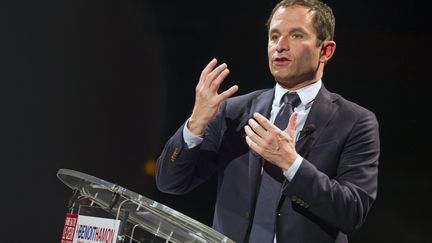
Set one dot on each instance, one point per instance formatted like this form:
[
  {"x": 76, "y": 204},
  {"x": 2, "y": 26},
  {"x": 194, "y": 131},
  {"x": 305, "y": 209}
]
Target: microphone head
[
  {"x": 311, "y": 127},
  {"x": 306, "y": 131}
]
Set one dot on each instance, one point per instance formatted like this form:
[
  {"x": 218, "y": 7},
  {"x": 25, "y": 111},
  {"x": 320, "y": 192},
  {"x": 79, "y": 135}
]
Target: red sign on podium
[{"x": 69, "y": 228}]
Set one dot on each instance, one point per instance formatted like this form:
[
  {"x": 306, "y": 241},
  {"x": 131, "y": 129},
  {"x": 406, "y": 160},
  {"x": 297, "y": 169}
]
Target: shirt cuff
[
  {"x": 290, "y": 173},
  {"x": 191, "y": 139}
]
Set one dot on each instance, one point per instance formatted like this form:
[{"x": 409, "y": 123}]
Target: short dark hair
[{"x": 323, "y": 20}]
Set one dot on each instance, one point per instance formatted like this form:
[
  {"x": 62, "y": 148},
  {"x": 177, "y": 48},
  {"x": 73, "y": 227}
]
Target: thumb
[{"x": 291, "y": 125}]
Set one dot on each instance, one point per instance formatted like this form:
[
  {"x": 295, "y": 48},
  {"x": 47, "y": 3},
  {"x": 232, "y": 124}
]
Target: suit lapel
[{"x": 320, "y": 115}]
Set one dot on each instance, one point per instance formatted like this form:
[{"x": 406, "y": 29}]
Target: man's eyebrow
[
  {"x": 271, "y": 31},
  {"x": 295, "y": 29}
]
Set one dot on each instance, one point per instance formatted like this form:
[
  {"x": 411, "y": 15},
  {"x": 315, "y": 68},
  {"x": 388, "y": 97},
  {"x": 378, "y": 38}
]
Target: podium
[{"x": 139, "y": 219}]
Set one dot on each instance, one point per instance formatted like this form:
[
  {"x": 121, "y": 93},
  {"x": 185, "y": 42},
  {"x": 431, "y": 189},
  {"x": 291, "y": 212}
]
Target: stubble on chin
[{"x": 283, "y": 78}]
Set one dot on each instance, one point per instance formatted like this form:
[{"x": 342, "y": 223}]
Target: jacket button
[
  {"x": 247, "y": 215},
  {"x": 294, "y": 198}
]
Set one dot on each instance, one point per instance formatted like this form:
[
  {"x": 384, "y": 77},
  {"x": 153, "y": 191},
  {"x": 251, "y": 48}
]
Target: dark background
[{"x": 98, "y": 86}]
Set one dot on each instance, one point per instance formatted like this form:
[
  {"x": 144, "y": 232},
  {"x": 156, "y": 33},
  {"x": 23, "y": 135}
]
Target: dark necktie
[
  {"x": 264, "y": 220},
  {"x": 289, "y": 101}
]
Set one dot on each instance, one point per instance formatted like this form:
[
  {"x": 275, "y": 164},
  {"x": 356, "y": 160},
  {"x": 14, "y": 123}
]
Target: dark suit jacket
[{"x": 328, "y": 198}]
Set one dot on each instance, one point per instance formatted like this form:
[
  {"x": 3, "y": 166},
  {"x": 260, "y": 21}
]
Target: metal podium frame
[{"x": 143, "y": 220}]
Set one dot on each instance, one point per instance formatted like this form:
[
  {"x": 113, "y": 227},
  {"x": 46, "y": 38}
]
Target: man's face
[{"x": 292, "y": 51}]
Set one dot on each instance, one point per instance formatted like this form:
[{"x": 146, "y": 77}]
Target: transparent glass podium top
[{"x": 142, "y": 212}]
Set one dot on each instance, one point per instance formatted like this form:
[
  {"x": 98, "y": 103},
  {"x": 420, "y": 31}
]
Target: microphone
[{"x": 306, "y": 131}]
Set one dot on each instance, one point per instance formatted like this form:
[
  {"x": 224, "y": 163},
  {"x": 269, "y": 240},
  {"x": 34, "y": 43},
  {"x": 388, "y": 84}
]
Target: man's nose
[{"x": 282, "y": 44}]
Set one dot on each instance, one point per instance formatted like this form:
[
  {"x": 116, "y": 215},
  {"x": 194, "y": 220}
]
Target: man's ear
[{"x": 327, "y": 50}]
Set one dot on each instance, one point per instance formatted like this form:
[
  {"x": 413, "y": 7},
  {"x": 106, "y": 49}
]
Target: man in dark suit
[{"x": 313, "y": 179}]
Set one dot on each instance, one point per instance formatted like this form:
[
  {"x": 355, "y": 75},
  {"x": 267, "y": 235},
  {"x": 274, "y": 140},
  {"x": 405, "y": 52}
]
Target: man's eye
[
  {"x": 274, "y": 37},
  {"x": 296, "y": 36}
]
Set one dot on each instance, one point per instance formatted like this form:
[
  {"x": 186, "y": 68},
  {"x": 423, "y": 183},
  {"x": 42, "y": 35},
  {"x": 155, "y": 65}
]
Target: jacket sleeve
[
  {"x": 342, "y": 200},
  {"x": 180, "y": 169}
]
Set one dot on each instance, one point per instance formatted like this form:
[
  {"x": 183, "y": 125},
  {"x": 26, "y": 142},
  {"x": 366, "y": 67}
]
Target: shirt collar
[{"x": 307, "y": 94}]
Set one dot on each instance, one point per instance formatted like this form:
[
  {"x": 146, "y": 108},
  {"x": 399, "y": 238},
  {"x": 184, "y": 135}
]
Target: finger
[
  {"x": 253, "y": 146},
  {"x": 292, "y": 125},
  {"x": 219, "y": 79},
  {"x": 210, "y": 66},
  {"x": 265, "y": 123},
  {"x": 257, "y": 128},
  {"x": 214, "y": 74},
  {"x": 253, "y": 136},
  {"x": 228, "y": 93}
]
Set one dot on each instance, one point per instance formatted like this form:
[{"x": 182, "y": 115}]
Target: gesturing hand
[
  {"x": 207, "y": 99},
  {"x": 273, "y": 144}
]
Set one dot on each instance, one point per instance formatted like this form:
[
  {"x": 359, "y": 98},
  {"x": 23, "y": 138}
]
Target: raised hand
[
  {"x": 207, "y": 99},
  {"x": 273, "y": 144}
]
